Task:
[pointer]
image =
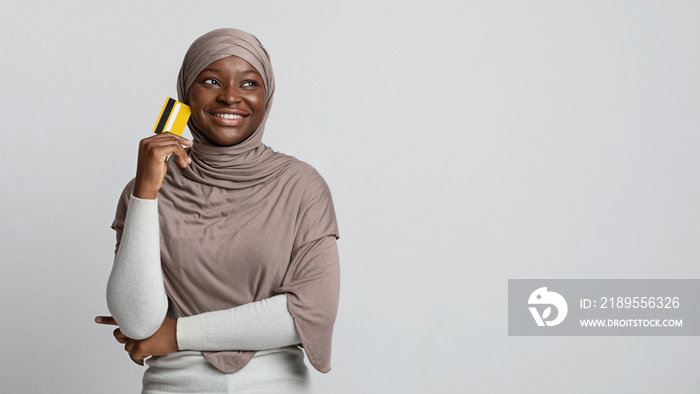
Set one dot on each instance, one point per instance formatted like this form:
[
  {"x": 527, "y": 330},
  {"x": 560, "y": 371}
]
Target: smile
[{"x": 229, "y": 116}]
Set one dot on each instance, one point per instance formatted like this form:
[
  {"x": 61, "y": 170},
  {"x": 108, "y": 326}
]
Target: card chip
[{"x": 173, "y": 117}]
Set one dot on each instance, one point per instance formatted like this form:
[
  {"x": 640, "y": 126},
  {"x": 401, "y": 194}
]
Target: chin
[{"x": 228, "y": 141}]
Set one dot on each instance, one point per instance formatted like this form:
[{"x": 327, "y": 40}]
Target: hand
[
  {"x": 163, "y": 342},
  {"x": 152, "y": 166}
]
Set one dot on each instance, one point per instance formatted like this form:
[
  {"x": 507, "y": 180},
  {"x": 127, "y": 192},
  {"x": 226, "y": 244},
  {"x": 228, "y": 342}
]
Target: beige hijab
[{"x": 245, "y": 223}]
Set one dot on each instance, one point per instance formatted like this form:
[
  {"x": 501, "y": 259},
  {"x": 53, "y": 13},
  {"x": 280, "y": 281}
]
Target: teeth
[{"x": 228, "y": 116}]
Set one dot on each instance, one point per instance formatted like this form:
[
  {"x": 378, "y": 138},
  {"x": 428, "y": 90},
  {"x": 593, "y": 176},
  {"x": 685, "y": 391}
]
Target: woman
[{"x": 234, "y": 242}]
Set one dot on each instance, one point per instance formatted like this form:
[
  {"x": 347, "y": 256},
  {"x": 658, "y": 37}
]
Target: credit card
[{"x": 173, "y": 117}]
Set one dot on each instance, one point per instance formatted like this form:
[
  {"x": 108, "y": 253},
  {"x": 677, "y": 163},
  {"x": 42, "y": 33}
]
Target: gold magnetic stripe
[{"x": 181, "y": 120}]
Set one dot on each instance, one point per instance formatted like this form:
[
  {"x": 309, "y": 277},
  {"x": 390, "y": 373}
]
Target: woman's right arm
[{"x": 135, "y": 291}]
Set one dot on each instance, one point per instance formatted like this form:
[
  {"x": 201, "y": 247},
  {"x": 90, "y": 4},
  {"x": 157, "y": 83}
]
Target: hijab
[{"x": 244, "y": 223}]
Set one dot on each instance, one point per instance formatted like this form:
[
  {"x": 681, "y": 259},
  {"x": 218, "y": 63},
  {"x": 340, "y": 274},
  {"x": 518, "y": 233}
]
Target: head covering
[
  {"x": 216, "y": 45},
  {"x": 244, "y": 223},
  {"x": 250, "y": 160}
]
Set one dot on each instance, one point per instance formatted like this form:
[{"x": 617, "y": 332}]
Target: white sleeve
[
  {"x": 137, "y": 300},
  {"x": 260, "y": 325},
  {"x": 135, "y": 291}
]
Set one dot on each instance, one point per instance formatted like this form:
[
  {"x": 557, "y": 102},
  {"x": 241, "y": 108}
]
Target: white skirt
[{"x": 270, "y": 371}]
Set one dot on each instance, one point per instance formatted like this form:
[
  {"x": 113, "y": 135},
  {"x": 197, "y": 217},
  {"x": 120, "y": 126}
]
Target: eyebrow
[{"x": 216, "y": 70}]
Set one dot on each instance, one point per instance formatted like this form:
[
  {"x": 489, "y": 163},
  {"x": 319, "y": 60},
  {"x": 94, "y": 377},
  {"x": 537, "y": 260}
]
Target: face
[{"x": 228, "y": 101}]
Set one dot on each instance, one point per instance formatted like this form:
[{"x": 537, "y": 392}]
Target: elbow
[
  {"x": 137, "y": 320},
  {"x": 139, "y": 332},
  {"x": 137, "y": 325}
]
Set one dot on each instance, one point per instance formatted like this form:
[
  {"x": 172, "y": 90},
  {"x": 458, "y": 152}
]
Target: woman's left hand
[{"x": 163, "y": 342}]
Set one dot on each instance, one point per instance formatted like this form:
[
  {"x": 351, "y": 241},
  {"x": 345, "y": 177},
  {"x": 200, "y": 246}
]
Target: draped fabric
[{"x": 244, "y": 223}]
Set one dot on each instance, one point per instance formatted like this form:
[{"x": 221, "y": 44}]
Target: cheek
[
  {"x": 259, "y": 103},
  {"x": 195, "y": 101},
  {"x": 198, "y": 98}
]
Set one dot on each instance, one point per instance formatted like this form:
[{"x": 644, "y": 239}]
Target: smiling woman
[{"x": 226, "y": 262}]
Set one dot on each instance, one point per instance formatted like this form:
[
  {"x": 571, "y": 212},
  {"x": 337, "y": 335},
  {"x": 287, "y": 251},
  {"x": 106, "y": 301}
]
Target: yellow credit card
[{"x": 173, "y": 117}]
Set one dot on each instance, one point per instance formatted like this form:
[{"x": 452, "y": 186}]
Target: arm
[
  {"x": 137, "y": 300},
  {"x": 260, "y": 325},
  {"x": 135, "y": 292},
  {"x": 136, "y": 297},
  {"x": 264, "y": 324}
]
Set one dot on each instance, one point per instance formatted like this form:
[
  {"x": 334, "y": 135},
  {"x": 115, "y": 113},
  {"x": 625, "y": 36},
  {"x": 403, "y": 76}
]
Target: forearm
[
  {"x": 260, "y": 325},
  {"x": 135, "y": 292}
]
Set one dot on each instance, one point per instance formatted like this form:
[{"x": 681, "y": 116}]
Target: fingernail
[
  {"x": 98, "y": 319},
  {"x": 189, "y": 160}
]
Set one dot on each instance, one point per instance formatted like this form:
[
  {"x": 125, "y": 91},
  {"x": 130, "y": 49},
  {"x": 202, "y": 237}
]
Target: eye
[
  {"x": 250, "y": 83},
  {"x": 211, "y": 81}
]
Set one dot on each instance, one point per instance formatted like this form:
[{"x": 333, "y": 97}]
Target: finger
[
  {"x": 164, "y": 139},
  {"x": 119, "y": 336},
  {"x": 162, "y": 150},
  {"x": 182, "y": 158},
  {"x": 183, "y": 140},
  {"x": 168, "y": 136},
  {"x": 129, "y": 346},
  {"x": 137, "y": 361},
  {"x": 136, "y": 354},
  {"x": 105, "y": 320},
  {"x": 159, "y": 152}
]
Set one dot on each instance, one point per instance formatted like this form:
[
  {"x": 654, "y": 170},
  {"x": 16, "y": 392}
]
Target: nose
[{"x": 229, "y": 95}]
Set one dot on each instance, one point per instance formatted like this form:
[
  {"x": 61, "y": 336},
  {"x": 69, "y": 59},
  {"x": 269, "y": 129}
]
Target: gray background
[{"x": 465, "y": 143}]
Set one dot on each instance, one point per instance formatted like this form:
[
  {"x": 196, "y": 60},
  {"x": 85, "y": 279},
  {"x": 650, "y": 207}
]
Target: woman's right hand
[{"x": 152, "y": 165}]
